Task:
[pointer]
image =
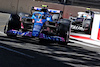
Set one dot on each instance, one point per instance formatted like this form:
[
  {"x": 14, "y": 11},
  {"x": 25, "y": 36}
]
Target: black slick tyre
[{"x": 13, "y": 23}]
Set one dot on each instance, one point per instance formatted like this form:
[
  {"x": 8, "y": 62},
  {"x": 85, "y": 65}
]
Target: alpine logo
[{"x": 54, "y": 38}]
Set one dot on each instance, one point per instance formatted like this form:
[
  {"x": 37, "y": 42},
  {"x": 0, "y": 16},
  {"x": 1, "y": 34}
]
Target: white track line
[
  {"x": 2, "y": 32},
  {"x": 85, "y": 44},
  {"x": 14, "y": 50},
  {"x": 17, "y": 52}
]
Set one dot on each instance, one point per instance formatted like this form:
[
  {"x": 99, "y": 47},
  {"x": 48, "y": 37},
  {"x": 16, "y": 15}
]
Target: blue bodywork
[{"x": 39, "y": 19}]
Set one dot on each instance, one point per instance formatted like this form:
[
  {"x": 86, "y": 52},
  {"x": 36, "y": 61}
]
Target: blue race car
[{"x": 43, "y": 23}]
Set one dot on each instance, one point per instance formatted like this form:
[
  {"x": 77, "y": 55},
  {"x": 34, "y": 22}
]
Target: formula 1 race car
[
  {"x": 43, "y": 23},
  {"x": 83, "y": 22}
]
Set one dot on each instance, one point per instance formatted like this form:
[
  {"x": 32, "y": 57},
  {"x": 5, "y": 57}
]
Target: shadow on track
[{"x": 53, "y": 55}]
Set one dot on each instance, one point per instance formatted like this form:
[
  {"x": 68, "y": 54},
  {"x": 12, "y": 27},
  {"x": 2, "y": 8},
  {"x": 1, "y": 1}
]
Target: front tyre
[{"x": 13, "y": 23}]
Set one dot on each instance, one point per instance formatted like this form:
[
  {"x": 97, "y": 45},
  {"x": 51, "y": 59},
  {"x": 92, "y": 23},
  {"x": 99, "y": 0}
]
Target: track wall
[{"x": 15, "y": 6}]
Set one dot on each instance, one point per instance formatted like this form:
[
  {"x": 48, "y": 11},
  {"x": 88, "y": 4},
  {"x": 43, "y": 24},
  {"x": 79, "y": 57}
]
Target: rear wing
[{"x": 50, "y": 10}]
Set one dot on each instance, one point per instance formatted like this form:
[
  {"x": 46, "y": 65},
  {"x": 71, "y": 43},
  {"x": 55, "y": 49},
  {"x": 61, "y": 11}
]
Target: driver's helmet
[
  {"x": 44, "y": 9},
  {"x": 45, "y": 6},
  {"x": 88, "y": 9}
]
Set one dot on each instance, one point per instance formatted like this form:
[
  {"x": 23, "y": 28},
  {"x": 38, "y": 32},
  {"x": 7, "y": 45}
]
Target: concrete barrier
[
  {"x": 26, "y": 6},
  {"x": 8, "y": 6},
  {"x": 14, "y": 6}
]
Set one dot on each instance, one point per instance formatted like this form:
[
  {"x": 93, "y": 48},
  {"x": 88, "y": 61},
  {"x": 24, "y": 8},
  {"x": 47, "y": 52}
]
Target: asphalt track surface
[{"x": 28, "y": 52}]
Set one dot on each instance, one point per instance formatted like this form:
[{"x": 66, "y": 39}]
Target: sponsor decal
[
  {"x": 36, "y": 28},
  {"x": 29, "y": 34},
  {"x": 35, "y": 33},
  {"x": 15, "y": 32},
  {"x": 48, "y": 18},
  {"x": 54, "y": 38},
  {"x": 22, "y": 26},
  {"x": 80, "y": 19},
  {"x": 77, "y": 28},
  {"x": 98, "y": 37},
  {"x": 44, "y": 36},
  {"x": 39, "y": 22}
]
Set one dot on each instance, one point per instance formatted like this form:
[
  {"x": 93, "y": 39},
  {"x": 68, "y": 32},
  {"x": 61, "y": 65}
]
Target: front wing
[{"x": 42, "y": 35}]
